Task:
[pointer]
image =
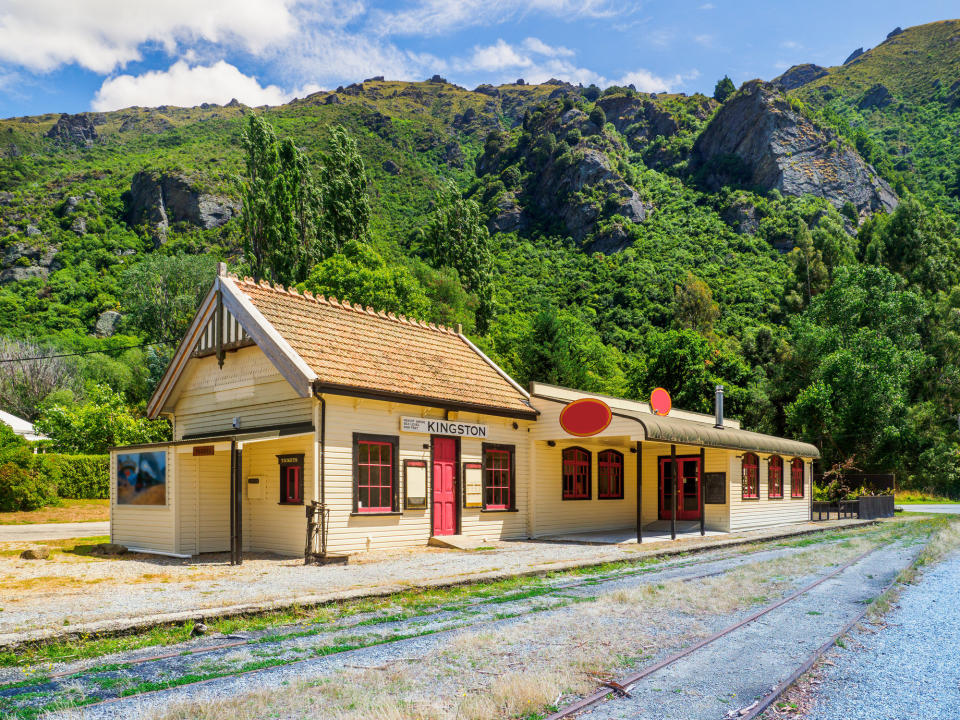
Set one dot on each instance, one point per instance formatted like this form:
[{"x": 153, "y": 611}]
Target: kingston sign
[{"x": 430, "y": 426}]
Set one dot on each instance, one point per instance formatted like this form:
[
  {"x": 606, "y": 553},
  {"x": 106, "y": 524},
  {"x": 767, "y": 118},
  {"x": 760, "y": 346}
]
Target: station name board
[{"x": 431, "y": 426}]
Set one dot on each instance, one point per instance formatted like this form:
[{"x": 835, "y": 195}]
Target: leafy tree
[
  {"x": 856, "y": 350},
  {"x": 690, "y": 367},
  {"x": 103, "y": 420},
  {"x": 694, "y": 306},
  {"x": 810, "y": 273},
  {"x": 281, "y": 212},
  {"x": 28, "y": 373},
  {"x": 723, "y": 89},
  {"x": 455, "y": 236},
  {"x": 345, "y": 207},
  {"x": 598, "y": 117},
  {"x": 290, "y": 220},
  {"x": 359, "y": 274},
  {"x": 161, "y": 293}
]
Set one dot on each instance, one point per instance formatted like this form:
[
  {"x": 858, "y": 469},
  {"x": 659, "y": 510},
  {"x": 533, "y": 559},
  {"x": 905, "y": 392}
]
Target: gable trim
[{"x": 286, "y": 360}]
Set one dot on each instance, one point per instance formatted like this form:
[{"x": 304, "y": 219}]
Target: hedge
[
  {"x": 80, "y": 477},
  {"x": 23, "y": 489}
]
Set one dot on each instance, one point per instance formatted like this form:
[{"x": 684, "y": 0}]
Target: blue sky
[{"x": 58, "y": 56}]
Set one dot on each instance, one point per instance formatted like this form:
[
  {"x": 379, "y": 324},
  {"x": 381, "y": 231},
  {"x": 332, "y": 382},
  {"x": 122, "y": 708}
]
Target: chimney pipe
[{"x": 718, "y": 407}]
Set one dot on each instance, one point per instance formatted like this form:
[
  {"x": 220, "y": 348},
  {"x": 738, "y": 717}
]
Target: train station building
[{"x": 307, "y": 425}]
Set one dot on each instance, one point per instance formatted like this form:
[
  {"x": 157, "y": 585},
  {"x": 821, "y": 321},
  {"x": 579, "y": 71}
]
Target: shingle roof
[{"x": 358, "y": 348}]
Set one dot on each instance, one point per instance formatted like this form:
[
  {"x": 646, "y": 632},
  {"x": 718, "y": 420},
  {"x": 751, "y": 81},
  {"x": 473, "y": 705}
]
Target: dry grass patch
[
  {"x": 66, "y": 511},
  {"x": 519, "y": 669}
]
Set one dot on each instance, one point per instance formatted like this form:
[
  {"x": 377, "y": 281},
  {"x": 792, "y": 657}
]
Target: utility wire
[{"x": 87, "y": 352}]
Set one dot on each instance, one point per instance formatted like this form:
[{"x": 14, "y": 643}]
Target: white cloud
[
  {"x": 432, "y": 17},
  {"x": 708, "y": 6},
  {"x": 536, "y": 45},
  {"x": 102, "y": 35},
  {"x": 184, "y": 85},
  {"x": 791, "y": 45},
  {"x": 704, "y": 40}
]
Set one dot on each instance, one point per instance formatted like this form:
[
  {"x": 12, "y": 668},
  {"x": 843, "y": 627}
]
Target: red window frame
[
  {"x": 610, "y": 475},
  {"x": 291, "y": 479},
  {"x": 775, "y": 477},
  {"x": 796, "y": 478},
  {"x": 750, "y": 477},
  {"x": 576, "y": 473},
  {"x": 376, "y": 476},
  {"x": 498, "y": 477}
]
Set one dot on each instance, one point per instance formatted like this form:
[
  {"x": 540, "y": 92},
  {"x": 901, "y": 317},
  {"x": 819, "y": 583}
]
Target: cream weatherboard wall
[
  {"x": 764, "y": 511},
  {"x": 351, "y": 532},
  {"x": 145, "y": 527},
  {"x": 248, "y": 387},
  {"x": 269, "y": 525}
]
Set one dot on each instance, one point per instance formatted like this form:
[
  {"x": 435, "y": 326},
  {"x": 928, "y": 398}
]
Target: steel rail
[
  {"x": 626, "y": 682},
  {"x": 553, "y": 589},
  {"x": 767, "y": 700}
]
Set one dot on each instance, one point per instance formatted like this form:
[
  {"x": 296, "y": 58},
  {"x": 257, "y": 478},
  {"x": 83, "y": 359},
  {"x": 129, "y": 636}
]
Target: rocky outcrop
[
  {"x": 853, "y": 56},
  {"x": 107, "y": 323},
  {"x": 158, "y": 199},
  {"x": 800, "y": 75},
  {"x": 876, "y": 97},
  {"x": 23, "y": 262},
  {"x": 758, "y": 140},
  {"x": 73, "y": 129},
  {"x": 509, "y": 217}
]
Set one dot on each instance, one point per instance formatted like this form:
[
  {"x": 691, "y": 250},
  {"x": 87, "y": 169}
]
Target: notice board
[
  {"x": 472, "y": 485},
  {"x": 715, "y": 488}
]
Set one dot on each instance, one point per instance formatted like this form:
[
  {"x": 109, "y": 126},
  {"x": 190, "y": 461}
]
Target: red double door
[
  {"x": 688, "y": 500},
  {"x": 444, "y": 486}
]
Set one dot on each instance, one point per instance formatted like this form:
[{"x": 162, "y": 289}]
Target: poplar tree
[{"x": 456, "y": 236}]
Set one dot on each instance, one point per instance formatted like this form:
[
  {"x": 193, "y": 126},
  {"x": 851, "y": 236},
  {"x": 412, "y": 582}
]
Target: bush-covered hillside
[{"x": 797, "y": 246}]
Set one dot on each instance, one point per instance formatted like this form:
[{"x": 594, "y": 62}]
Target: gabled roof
[
  {"x": 331, "y": 346},
  {"x": 21, "y": 427}
]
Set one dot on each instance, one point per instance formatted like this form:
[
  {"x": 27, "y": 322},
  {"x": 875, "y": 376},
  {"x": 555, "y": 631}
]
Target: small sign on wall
[
  {"x": 472, "y": 485},
  {"x": 432, "y": 426},
  {"x": 415, "y": 483},
  {"x": 254, "y": 489},
  {"x": 715, "y": 488}
]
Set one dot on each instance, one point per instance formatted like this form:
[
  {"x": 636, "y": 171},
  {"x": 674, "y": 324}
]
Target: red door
[
  {"x": 444, "y": 486},
  {"x": 688, "y": 501}
]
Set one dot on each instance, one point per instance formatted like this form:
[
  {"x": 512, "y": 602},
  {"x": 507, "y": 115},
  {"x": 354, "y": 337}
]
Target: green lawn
[{"x": 66, "y": 511}]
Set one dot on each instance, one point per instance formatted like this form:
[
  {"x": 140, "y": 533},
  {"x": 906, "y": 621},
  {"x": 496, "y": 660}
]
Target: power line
[{"x": 87, "y": 352}]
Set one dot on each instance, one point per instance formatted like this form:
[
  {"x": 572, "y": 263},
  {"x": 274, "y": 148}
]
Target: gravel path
[
  {"x": 81, "y": 593},
  {"x": 53, "y": 531},
  {"x": 908, "y": 669},
  {"x": 732, "y": 672}
]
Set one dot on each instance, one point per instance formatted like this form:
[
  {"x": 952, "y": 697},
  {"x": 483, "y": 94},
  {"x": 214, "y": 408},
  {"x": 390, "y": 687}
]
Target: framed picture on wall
[{"x": 142, "y": 478}]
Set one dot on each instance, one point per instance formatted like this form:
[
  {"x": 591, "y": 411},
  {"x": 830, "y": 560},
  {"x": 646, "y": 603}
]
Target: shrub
[
  {"x": 573, "y": 136},
  {"x": 598, "y": 117},
  {"x": 23, "y": 489},
  {"x": 78, "y": 477}
]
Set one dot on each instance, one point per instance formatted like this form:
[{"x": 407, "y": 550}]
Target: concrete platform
[
  {"x": 457, "y": 542},
  {"x": 654, "y": 532}
]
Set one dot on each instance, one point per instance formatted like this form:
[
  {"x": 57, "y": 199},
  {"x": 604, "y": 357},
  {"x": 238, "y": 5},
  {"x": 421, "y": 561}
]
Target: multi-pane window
[
  {"x": 775, "y": 477},
  {"x": 750, "y": 482},
  {"x": 576, "y": 474},
  {"x": 796, "y": 478},
  {"x": 291, "y": 479},
  {"x": 610, "y": 475},
  {"x": 375, "y": 476},
  {"x": 497, "y": 477}
]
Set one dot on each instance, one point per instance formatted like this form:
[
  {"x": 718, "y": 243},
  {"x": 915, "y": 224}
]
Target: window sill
[
  {"x": 750, "y": 498},
  {"x": 376, "y": 514},
  {"x": 775, "y": 497},
  {"x": 568, "y": 499},
  {"x": 294, "y": 504},
  {"x": 498, "y": 510},
  {"x": 610, "y": 497}
]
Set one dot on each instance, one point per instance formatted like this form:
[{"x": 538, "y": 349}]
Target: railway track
[
  {"x": 621, "y": 688},
  {"x": 557, "y": 594}
]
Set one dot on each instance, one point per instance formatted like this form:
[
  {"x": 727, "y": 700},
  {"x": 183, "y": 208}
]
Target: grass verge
[{"x": 67, "y": 511}]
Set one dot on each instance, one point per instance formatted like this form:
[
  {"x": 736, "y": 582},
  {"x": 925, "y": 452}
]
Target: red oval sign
[
  {"x": 585, "y": 417},
  {"x": 660, "y": 401}
]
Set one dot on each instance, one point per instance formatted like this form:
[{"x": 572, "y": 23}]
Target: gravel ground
[
  {"x": 908, "y": 669},
  {"x": 88, "y": 593},
  {"x": 294, "y": 642},
  {"x": 761, "y": 654}
]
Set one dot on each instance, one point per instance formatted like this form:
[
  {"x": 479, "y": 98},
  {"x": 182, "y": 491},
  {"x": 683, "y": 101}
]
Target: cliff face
[{"x": 758, "y": 139}]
